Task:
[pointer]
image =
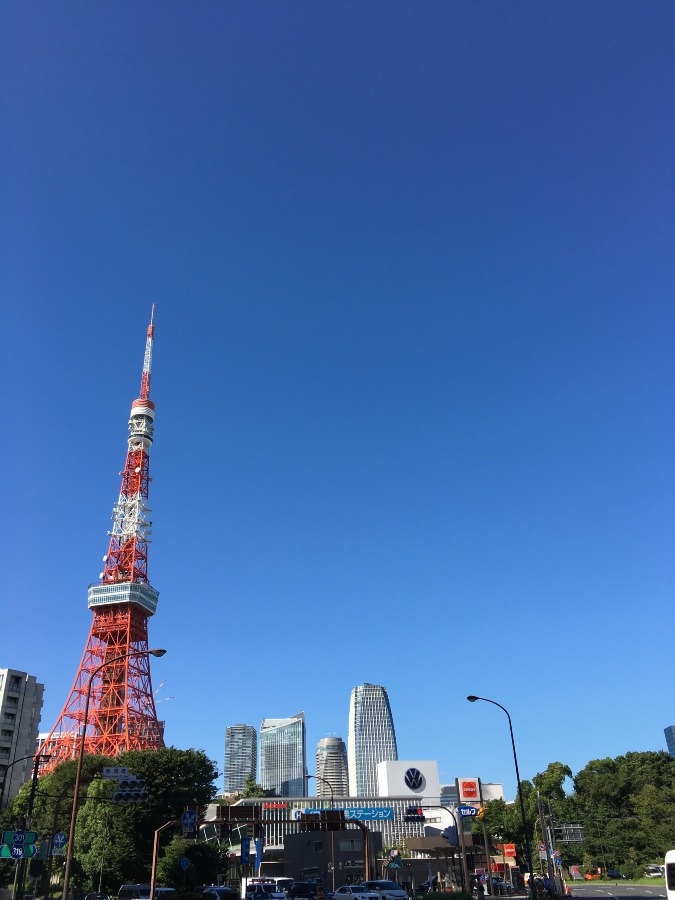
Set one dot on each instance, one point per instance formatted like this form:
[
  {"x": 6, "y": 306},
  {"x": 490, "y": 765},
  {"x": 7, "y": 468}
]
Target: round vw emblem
[{"x": 414, "y": 779}]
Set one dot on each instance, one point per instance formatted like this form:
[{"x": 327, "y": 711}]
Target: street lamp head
[
  {"x": 156, "y": 652},
  {"x": 472, "y": 698}
]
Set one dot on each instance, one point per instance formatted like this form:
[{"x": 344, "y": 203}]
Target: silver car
[
  {"x": 387, "y": 890},
  {"x": 357, "y": 892}
]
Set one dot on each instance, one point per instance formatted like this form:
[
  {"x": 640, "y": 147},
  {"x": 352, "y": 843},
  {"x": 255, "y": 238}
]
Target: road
[{"x": 593, "y": 890}]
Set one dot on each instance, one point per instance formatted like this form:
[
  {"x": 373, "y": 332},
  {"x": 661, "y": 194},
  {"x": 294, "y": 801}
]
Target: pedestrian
[{"x": 480, "y": 890}]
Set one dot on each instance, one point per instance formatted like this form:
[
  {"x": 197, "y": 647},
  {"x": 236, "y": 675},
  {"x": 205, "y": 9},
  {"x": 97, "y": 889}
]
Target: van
[
  {"x": 134, "y": 892},
  {"x": 142, "y": 892},
  {"x": 670, "y": 874}
]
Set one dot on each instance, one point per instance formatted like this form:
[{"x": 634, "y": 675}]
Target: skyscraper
[
  {"x": 371, "y": 738},
  {"x": 20, "y": 708},
  {"x": 331, "y": 767},
  {"x": 241, "y": 756},
  {"x": 670, "y": 739},
  {"x": 282, "y": 756}
]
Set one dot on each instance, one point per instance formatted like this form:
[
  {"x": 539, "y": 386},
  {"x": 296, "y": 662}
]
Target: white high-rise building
[
  {"x": 331, "y": 768},
  {"x": 20, "y": 710},
  {"x": 371, "y": 738},
  {"x": 241, "y": 756},
  {"x": 283, "y": 764}
]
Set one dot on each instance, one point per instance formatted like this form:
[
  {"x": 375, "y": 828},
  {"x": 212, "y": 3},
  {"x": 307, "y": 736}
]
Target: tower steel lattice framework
[{"x": 122, "y": 714}]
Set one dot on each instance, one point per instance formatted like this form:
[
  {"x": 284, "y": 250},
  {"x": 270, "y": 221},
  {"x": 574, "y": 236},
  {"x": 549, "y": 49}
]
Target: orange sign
[{"x": 509, "y": 849}]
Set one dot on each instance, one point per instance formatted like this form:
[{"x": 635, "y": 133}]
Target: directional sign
[
  {"x": 19, "y": 838},
  {"x": 465, "y": 811},
  {"x": 189, "y": 821},
  {"x": 184, "y": 863},
  {"x": 60, "y": 840},
  {"x": 17, "y": 852}
]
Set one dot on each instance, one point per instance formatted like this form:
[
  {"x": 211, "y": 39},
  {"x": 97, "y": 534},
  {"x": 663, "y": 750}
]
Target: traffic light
[
  {"x": 414, "y": 814},
  {"x": 450, "y": 835},
  {"x": 131, "y": 790}
]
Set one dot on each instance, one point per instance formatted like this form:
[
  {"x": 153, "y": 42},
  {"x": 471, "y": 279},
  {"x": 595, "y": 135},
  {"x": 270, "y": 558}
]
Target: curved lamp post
[
  {"x": 528, "y": 851},
  {"x": 332, "y": 834},
  {"x": 80, "y": 757}
]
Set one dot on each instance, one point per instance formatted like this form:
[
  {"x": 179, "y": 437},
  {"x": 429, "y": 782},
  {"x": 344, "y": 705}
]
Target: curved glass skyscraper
[
  {"x": 331, "y": 767},
  {"x": 371, "y": 738}
]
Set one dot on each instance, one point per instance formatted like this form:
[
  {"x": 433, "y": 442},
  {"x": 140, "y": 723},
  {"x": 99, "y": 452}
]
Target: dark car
[
  {"x": 615, "y": 875},
  {"x": 302, "y": 889}
]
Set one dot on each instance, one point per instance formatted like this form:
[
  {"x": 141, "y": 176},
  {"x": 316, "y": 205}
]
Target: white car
[
  {"x": 387, "y": 890},
  {"x": 357, "y": 892},
  {"x": 654, "y": 871},
  {"x": 265, "y": 891}
]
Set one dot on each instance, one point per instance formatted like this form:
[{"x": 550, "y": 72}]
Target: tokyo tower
[{"x": 121, "y": 714}]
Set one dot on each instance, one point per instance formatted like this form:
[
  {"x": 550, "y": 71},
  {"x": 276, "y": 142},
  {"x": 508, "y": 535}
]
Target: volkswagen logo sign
[{"x": 414, "y": 779}]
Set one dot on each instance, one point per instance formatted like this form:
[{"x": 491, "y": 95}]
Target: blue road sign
[
  {"x": 245, "y": 851},
  {"x": 368, "y": 813},
  {"x": 189, "y": 820},
  {"x": 184, "y": 863},
  {"x": 465, "y": 811},
  {"x": 19, "y": 838},
  {"x": 60, "y": 840}
]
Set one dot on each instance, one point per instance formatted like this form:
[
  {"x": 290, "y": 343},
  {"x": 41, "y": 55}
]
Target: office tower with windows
[
  {"x": 241, "y": 756},
  {"x": 371, "y": 738},
  {"x": 331, "y": 768},
  {"x": 670, "y": 739},
  {"x": 20, "y": 709},
  {"x": 283, "y": 763}
]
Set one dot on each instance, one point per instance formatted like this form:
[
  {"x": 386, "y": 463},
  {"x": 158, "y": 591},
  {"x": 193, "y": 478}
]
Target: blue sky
[{"x": 412, "y": 266}]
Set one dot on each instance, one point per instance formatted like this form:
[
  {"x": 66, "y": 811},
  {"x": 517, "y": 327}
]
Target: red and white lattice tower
[{"x": 122, "y": 714}]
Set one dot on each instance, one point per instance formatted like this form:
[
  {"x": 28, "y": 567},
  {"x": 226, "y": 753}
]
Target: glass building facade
[
  {"x": 331, "y": 768},
  {"x": 241, "y": 756},
  {"x": 371, "y": 738},
  {"x": 670, "y": 739},
  {"x": 283, "y": 757}
]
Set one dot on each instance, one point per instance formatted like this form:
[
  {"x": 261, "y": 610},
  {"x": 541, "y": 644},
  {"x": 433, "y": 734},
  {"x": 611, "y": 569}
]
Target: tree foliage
[
  {"x": 626, "y": 807},
  {"x": 203, "y": 864},
  {"x": 115, "y": 841}
]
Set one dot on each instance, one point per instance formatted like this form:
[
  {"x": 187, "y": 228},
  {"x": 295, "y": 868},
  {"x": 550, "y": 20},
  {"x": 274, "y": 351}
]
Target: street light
[
  {"x": 528, "y": 852},
  {"x": 80, "y": 757},
  {"x": 332, "y": 834}
]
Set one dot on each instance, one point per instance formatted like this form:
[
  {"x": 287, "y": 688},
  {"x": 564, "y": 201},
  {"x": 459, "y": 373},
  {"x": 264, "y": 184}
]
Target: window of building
[
  {"x": 14, "y": 683},
  {"x": 9, "y": 717},
  {"x": 6, "y": 733}
]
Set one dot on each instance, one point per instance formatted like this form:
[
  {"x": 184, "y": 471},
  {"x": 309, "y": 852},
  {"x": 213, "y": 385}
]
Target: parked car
[
  {"x": 94, "y": 895},
  {"x": 306, "y": 890},
  {"x": 654, "y": 871},
  {"x": 615, "y": 875},
  {"x": 357, "y": 892},
  {"x": 265, "y": 891},
  {"x": 388, "y": 890},
  {"x": 220, "y": 892},
  {"x": 142, "y": 892}
]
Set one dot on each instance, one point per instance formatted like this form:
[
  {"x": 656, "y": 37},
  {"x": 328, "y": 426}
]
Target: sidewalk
[{"x": 5, "y": 894}]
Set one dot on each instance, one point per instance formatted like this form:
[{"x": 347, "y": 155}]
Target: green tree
[
  {"x": 203, "y": 864},
  {"x": 251, "y": 789},
  {"x": 114, "y": 838}
]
